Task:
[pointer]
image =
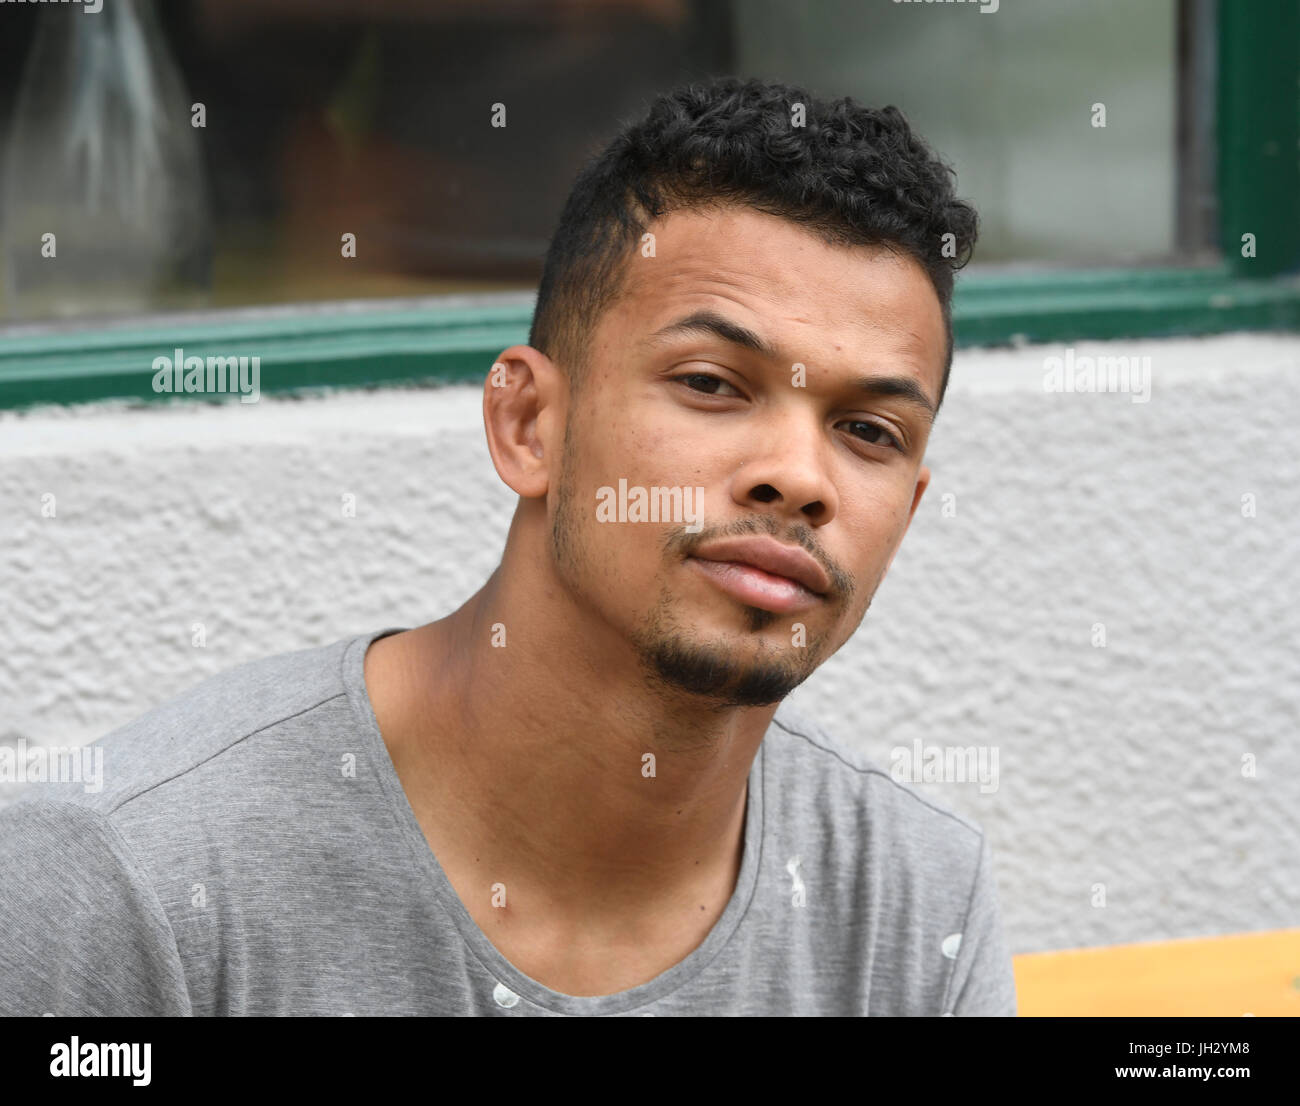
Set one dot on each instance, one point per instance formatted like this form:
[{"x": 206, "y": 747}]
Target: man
[{"x": 574, "y": 795}]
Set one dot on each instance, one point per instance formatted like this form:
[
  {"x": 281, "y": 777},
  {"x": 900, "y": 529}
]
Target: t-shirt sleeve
[
  {"x": 983, "y": 983},
  {"x": 84, "y": 934}
]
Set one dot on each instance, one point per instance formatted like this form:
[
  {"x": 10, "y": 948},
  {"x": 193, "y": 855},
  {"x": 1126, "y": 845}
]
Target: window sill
[{"x": 450, "y": 339}]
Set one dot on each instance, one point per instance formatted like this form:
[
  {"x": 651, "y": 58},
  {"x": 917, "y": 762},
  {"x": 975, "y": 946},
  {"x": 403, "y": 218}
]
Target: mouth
[{"x": 757, "y": 588}]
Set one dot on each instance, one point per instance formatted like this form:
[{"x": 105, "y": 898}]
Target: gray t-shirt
[{"x": 252, "y": 852}]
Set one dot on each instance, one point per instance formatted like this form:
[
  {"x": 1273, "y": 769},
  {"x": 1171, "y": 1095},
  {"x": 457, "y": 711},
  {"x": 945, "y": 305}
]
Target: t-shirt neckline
[{"x": 507, "y": 975}]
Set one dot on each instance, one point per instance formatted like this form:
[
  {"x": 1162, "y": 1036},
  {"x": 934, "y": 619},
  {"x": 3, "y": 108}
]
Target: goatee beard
[{"x": 673, "y": 660}]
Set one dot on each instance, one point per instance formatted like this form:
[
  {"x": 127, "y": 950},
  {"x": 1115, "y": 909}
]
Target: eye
[
  {"x": 706, "y": 384},
  {"x": 709, "y": 384},
  {"x": 876, "y": 434}
]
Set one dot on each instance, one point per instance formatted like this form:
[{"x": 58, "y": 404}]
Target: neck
[{"x": 554, "y": 761}]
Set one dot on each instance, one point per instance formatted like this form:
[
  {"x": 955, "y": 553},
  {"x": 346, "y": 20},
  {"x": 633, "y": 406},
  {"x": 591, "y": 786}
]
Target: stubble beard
[{"x": 670, "y": 656}]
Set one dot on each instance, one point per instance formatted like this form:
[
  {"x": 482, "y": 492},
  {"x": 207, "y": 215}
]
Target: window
[{"x": 353, "y": 210}]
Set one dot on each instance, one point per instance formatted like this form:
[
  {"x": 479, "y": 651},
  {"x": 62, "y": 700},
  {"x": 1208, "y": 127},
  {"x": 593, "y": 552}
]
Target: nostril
[{"x": 815, "y": 509}]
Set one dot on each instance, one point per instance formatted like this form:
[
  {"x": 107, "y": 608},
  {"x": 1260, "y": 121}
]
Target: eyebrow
[
  {"x": 718, "y": 326},
  {"x": 711, "y": 323}
]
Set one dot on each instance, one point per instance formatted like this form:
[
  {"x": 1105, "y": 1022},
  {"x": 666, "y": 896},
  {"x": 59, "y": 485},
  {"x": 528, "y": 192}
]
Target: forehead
[{"x": 809, "y": 299}]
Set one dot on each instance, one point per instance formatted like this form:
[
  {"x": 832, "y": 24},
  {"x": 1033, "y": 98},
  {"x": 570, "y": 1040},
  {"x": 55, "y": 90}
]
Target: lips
[
  {"x": 756, "y": 588},
  {"x": 772, "y": 558}
]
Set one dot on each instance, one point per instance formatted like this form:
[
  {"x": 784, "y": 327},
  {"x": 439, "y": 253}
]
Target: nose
[{"x": 788, "y": 474}]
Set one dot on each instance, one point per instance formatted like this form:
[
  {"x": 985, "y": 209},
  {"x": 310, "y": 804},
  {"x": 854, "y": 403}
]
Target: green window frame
[{"x": 450, "y": 339}]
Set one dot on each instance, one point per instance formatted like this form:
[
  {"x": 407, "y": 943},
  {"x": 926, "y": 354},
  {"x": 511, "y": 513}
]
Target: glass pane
[
  {"x": 1006, "y": 96},
  {"x": 323, "y": 119}
]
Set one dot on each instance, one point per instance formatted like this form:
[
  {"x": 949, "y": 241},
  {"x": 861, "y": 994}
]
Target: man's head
[
  {"x": 756, "y": 379},
  {"x": 851, "y": 175}
]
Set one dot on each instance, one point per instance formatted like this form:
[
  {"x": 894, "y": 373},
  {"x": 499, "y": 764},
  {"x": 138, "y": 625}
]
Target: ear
[
  {"x": 524, "y": 400},
  {"x": 922, "y": 482}
]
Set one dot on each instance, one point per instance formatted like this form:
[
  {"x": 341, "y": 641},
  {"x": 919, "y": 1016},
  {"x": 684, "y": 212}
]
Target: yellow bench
[{"x": 1243, "y": 973}]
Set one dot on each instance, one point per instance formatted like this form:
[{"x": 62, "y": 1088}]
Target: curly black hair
[{"x": 852, "y": 175}]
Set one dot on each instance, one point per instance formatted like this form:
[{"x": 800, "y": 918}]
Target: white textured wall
[{"x": 1119, "y": 765}]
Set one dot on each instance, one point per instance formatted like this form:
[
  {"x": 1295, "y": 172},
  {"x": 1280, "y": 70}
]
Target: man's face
[{"x": 814, "y": 442}]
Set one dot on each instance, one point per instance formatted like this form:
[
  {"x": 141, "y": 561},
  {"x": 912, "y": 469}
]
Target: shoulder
[
  {"x": 203, "y": 733},
  {"x": 815, "y": 771},
  {"x": 226, "y": 761},
  {"x": 209, "y": 785},
  {"x": 916, "y": 876}
]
